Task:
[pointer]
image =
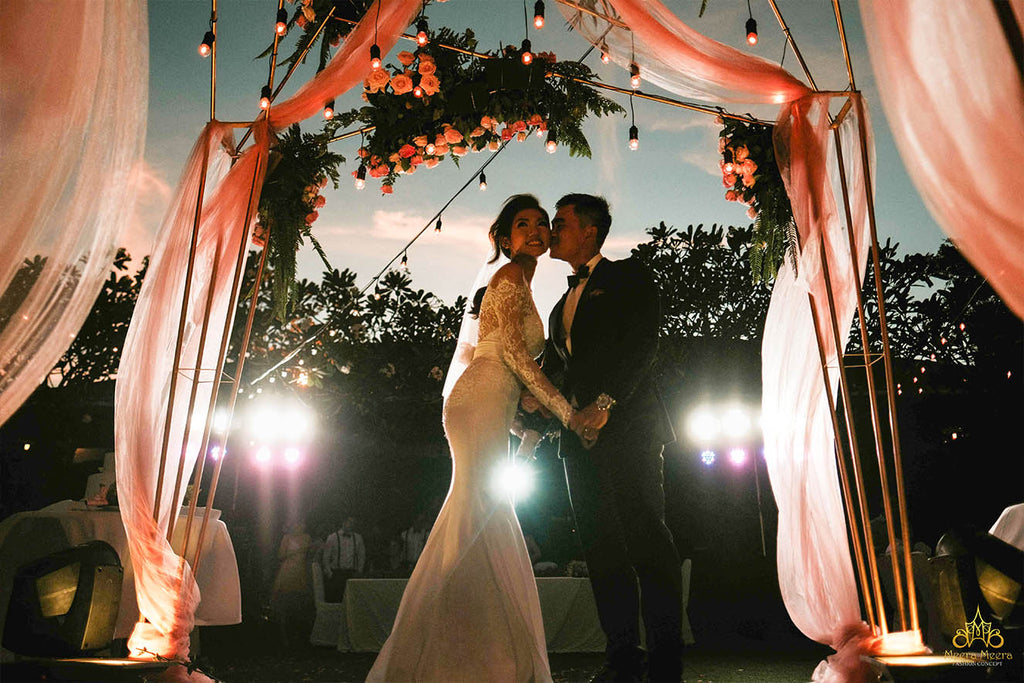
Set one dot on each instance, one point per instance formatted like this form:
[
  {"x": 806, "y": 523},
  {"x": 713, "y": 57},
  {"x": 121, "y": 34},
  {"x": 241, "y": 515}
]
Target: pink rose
[
  {"x": 430, "y": 84},
  {"x": 721, "y": 145},
  {"x": 378, "y": 80},
  {"x": 432, "y": 162},
  {"x": 494, "y": 145},
  {"x": 452, "y": 135},
  {"x": 521, "y": 136},
  {"x": 728, "y": 180},
  {"x": 375, "y": 160},
  {"x": 441, "y": 150},
  {"x": 319, "y": 202},
  {"x": 378, "y": 171},
  {"x": 460, "y": 150},
  {"x": 751, "y": 213},
  {"x": 301, "y": 21},
  {"x": 748, "y": 180},
  {"x": 420, "y": 141},
  {"x": 730, "y": 196},
  {"x": 386, "y": 189},
  {"x": 311, "y": 189},
  {"x": 519, "y": 126},
  {"x": 536, "y": 120},
  {"x": 311, "y": 217},
  {"x": 406, "y": 151},
  {"x": 477, "y": 132},
  {"x": 323, "y": 181},
  {"x": 336, "y": 41},
  {"x": 425, "y": 58},
  {"x": 487, "y": 122},
  {"x": 748, "y": 166},
  {"x": 742, "y": 153},
  {"x": 427, "y": 68},
  {"x": 506, "y": 133},
  {"x": 406, "y": 57},
  {"x": 401, "y": 83},
  {"x": 439, "y": 140},
  {"x": 547, "y": 57},
  {"x": 416, "y": 160},
  {"x": 362, "y": 152},
  {"x": 394, "y": 158}
]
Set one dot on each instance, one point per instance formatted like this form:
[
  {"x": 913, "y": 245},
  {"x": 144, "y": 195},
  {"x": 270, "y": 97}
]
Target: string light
[
  {"x": 281, "y": 27},
  {"x": 527, "y": 56},
  {"x": 538, "y": 14},
  {"x": 483, "y": 181},
  {"x": 728, "y": 167},
  {"x": 375, "y": 56},
  {"x": 634, "y": 75},
  {"x": 430, "y": 148},
  {"x": 405, "y": 261},
  {"x": 422, "y": 37},
  {"x": 417, "y": 90},
  {"x": 206, "y": 47},
  {"x": 751, "y": 26},
  {"x": 329, "y": 110},
  {"x": 437, "y": 226},
  {"x": 605, "y": 58},
  {"x": 634, "y": 132},
  {"x": 361, "y": 177},
  {"x": 265, "y": 97},
  {"x": 552, "y": 143}
]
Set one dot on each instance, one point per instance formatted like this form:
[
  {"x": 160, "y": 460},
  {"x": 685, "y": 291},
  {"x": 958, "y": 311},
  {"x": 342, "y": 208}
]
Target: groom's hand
[
  {"x": 530, "y": 404},
  {"x": 587, "y": 424}
]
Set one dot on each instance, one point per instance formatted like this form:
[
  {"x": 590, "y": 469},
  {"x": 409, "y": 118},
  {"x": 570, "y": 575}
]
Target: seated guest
[{"x": 344, "y": 556}]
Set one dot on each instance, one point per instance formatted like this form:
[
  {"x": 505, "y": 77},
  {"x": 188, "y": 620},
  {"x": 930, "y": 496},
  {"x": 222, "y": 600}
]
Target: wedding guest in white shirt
[{"x": 344, "y": 556}]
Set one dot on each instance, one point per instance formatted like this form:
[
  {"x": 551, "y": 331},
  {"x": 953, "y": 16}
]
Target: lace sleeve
[{"x": 510, "y": 296}]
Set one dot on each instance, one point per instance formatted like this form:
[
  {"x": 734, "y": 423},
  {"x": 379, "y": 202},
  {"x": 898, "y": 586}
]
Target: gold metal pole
[
  {"x": 236, "y": 287},
  {"x": 193, "y": 391},
  {"x": 852, "y": 436},
  {"x": 273, "y": 55},
  {"x": 792, "y": 44},
  {"x": 844, "y": 477},
  {"x": 213, "y": 62},
  {"x": 876, "y": 426},
  {"x": 901, "y": 499},
  {"x": 611, "y": 20},
  {"x": 842, "y": 39},
  {"x": 175, "y": 369}
]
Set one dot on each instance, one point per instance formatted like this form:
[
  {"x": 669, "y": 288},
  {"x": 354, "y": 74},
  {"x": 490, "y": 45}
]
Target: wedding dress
[{"x": 470, "y": 611}]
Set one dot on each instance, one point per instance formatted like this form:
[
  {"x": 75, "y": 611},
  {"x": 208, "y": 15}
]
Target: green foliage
[
  {"x": 309, "y": 15},
  {"x": 95, "y": 353},
  {"x": 300, "y": 165}
]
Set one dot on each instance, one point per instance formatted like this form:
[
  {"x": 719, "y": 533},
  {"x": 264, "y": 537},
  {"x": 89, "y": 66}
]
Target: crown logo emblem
[{"x": 978, "y": 630}]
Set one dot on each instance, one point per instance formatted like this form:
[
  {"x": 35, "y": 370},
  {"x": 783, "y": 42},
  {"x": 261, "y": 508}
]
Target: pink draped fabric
[
  {"x": 167, "y": 591},
  {"x": 73, "y": 102},
  {"x": 815, "y": 571},
  {"x": 954, "y": 98}
]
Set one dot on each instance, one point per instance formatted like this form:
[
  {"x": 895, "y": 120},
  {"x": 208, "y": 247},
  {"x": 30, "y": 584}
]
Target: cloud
[{"x": 152, "y": 195}]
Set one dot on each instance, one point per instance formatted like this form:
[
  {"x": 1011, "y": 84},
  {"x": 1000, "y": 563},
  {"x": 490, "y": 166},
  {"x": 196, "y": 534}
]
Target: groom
[{"x": 603, "y": 340}]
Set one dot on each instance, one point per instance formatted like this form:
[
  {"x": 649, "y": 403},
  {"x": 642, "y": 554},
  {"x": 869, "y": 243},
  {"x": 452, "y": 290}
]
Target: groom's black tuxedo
[
  {"x": 616, "y": 488},
  {"x": 614, "y": 343}
]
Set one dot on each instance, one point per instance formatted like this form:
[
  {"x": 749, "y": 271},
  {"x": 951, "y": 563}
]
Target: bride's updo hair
[{"x": 502, "y": 226}]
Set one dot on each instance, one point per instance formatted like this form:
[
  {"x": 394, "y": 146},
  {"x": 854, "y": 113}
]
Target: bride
[{"x": 470, "y": 611}]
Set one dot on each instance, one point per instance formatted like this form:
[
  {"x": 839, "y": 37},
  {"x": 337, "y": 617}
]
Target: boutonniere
[{"x": 594, "y": 292}]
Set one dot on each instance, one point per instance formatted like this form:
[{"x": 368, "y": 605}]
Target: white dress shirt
[
  {"x": 572, "y": 300},
  {"x": 344, "y": 551}
]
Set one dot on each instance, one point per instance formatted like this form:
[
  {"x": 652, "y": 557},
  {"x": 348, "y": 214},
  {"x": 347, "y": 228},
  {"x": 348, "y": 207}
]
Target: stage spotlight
[
  {"x": 514, "y": 479},
  {"x": 708, "y": 457},
  {"x": 736, "y": 422},
  {"x": 704, "y": 426},
  {"x": 292, "y": 457},
  {"x": 737, "y": 456},
  {"x": 263, "y": 456},
  {"x": 65, "y": 604}
]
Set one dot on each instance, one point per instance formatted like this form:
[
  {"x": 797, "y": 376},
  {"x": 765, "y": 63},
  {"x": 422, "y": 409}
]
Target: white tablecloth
[
  {"x": 27, "y": 536},
  {"x": 567, "y": 605},
  {"x": 1010, "y": 526}
]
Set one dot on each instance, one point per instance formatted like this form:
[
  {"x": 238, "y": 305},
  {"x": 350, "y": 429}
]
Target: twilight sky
[{"x": 673, "y": 177}]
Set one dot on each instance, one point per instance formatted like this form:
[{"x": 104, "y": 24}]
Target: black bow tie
[{"x": 582, "y": 274}]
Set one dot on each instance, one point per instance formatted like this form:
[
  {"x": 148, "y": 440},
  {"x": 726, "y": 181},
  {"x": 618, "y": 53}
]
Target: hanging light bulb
[
  {"x": 527, "y": 56},
  {"x": 552, "y": 144},
  {"x": 634, "y": 137},
  {"x": 417, "y": 91},
  {"x": 752, "y": 31},
  {"x": 422, "y": 38},
  {"x": 437, "y": 226},
  {"x": 375, "y": 56},
  {"x": 483, "y": 181},
  {"x": 329, "y": 110},
  {"x": 634, "y": 75},
  {"x": 538, "y": 14},
  {"x": 604, "y": 54},
  {"x": 361, "y": 177},
  {"x": 265, "y": 97},
  {"x": 430, "y": 148},
  {"x": 206, "y": 47},
  {"x": 281, "y": 27},
  {"x": 405, "y": 261},
  {"x": 729, "y": 166}
]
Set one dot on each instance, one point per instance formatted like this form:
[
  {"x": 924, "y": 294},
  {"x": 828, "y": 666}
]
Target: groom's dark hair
[{"x": 590, "y": 210}]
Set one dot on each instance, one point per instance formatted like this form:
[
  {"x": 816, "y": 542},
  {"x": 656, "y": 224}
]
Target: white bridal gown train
[{"x": 470, "y": 611}]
